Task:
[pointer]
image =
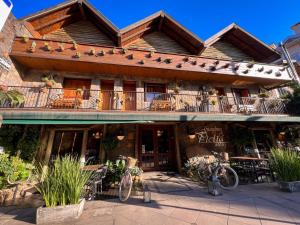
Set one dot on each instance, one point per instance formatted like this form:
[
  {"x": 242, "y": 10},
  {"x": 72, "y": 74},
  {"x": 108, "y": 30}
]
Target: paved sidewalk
[{"x": 176, "y": 201}]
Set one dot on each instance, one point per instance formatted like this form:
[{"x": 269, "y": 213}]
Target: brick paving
[{"x": 176, "y": 201}]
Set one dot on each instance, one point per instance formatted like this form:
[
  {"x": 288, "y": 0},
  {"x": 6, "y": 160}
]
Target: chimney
[{"x": 296, "y": 28}]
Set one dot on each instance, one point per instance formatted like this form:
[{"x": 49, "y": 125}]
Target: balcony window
[
  {"x": 72, "y": 85},
  {"x": 154, "y": 91}
]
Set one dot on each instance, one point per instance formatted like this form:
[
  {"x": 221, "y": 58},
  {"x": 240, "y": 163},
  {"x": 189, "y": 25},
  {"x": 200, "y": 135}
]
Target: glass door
[{"x": 156, "y": 150}]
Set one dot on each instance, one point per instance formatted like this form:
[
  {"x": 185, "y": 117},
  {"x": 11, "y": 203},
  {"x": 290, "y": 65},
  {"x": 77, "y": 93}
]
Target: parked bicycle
[
  {"x": 221, "y": 170},
  {"x": 126, "y": 180}
]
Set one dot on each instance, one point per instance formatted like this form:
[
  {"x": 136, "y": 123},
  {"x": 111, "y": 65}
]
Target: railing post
[
  {"x": 264, "y": 105},
  {"x": 37, "y": 99},
  {"x": 48, "y": 96}
]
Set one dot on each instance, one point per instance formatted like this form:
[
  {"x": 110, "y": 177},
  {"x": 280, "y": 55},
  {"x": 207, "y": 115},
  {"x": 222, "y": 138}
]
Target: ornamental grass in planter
[
  {"x": 62, "y": 189},
  {"x": 286, "y": 165}
]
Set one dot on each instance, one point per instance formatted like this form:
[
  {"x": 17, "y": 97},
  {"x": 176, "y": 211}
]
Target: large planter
[
  {"x": 289, "y": 186},
  {"x": 58, "y": 214}
]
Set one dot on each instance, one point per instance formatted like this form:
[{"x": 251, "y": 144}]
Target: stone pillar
[
  {"x": 84, "y": 146},
  {"x": 94, "y": 93},
  {"x": 140, "y": 95},
  {"x": 177, "y": 147}
]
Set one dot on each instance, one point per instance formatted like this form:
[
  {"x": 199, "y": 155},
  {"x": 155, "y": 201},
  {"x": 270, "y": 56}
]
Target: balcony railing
[{"x": 96, "y": 100}]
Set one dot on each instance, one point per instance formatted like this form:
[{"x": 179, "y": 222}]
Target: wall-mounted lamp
[
  {"x": 191, "y": 133},
  {"x": 97, "y": 135},
  {"x": 120, "y": 135},
  {"x": 159, "y": 133}
]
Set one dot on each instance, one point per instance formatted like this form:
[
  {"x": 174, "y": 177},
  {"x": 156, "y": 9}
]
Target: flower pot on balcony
[
  {"x": 289, "y": 186},
  {"x": 59, "y": 214}
]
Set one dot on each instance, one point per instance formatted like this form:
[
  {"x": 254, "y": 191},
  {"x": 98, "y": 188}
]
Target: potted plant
[
  {"x": 62, "y": 187},
  {"x": 48, "y": 80},
  {"x": 77, "y": 55},
  {"x": 32, "y": 47},
  {"x": 75, "y": 45},
  {"x": 25, "y": 39},
  {"x": 47, "y": 46},
  {"x": 286, "y": 165},
  {"x": 61, "y": 47},
  {"x": 264, "y": 95},
  {"x": 92, "y": 51}
]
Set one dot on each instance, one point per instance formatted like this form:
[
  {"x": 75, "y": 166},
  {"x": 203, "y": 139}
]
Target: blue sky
[{"x": 269, "y": 20}]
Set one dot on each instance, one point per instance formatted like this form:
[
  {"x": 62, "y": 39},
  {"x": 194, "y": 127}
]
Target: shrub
[
  {"x": 63, "y": 183},
  {"x": 20, "y": 138},
  {"x": 286, "y": 164},
  {"x": 14, "y": 168},
  {"x": 196, "y": 163},
  {"x": 115, "y": 171}
]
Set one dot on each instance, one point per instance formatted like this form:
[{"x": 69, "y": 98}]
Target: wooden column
[
  {"x": 102, "y": 150},
  {"x": 136, "y": 152},
  {"x": 49, "y": 149},
  {"x": 84, "y": 146},
  {"x": 43, "y": 144},
  {"x": 177, "y": 147}
]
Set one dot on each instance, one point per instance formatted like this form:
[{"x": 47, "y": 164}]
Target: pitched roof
[
  {"x": 246, "y": 42},
  {"x": 66, "y": 13},
  {"x": 162, "y": 22}
]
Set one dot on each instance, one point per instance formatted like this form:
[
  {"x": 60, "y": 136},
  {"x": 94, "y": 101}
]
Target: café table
[{"x": 251, "y": 167}]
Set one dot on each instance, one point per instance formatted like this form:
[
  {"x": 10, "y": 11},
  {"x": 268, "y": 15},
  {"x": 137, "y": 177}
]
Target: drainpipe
[{"x": 290, "y": 63}]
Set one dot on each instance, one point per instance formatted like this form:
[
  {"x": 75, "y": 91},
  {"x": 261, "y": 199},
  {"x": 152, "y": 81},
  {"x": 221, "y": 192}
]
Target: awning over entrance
[
  {"x": 54, "y": 117},
  {"x": 70, "y": 122}
]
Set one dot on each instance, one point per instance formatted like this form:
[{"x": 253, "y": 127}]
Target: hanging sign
[
  {"x": 5, "y": 9},
  {"x": 212, "y": 135}
]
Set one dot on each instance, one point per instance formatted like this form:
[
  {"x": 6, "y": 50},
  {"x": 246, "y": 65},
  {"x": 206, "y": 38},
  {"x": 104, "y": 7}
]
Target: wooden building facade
[{"x": 141, "y": 90}]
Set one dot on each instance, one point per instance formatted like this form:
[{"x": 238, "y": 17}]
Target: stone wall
[{"x": 14, "y": 74}]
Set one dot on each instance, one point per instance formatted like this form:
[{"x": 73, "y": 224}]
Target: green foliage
[
  {"x": 109, "y": 142},
  {"x": 115, "y": 170},
  {"x": 286, "y": 164},
  {"x": 63, "y": 183},
  {"x": 24, "y": 139},
  {"x": 15, "y": 168},
  {"x": 240, "y": 136},
  {"x": 293, "y": 105},
  {"x": 13, "y": 97}
]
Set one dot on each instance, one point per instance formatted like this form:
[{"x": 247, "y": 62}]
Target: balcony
[
  {"x": 54, "y": 55},
  {"x": 71, "y": 100}
]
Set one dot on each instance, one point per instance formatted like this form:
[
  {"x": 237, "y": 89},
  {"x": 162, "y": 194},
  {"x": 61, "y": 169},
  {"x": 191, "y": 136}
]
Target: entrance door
[
  {"x": 129, "y": 90},
  {"x": 157, "y": 148},
  {"x": 107, "y": 92}
]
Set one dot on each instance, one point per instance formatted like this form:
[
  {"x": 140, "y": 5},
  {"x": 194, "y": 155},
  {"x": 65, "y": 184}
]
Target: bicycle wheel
[
  {"x": 228, "y": 178},
  {"x": 125, "y": 187}
]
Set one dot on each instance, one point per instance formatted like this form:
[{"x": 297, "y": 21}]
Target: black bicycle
[{"x": 221, "y": 170}]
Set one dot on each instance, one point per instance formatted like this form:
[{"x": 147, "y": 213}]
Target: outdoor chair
[{"x": 95, "y": 183}]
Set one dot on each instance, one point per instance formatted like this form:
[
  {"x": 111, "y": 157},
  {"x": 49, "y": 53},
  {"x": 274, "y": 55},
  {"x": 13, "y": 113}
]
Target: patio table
[
  {"x": 250, "y": 166},
  {"x": 92, "y": 167}
]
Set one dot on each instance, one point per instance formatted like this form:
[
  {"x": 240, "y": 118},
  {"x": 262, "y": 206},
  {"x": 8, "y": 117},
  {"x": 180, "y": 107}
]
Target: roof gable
[
  {"x": 65, "y": 14},
  {"x": 161, "y": 22},
  {"x": 246, "y": 42}
]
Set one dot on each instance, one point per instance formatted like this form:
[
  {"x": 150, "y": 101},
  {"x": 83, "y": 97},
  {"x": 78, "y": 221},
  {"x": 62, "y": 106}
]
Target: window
[
  {"x": 71, "y": 85},
  {"x": 154, "y": 91}
]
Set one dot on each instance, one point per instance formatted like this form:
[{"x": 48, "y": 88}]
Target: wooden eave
[
  {"x": 140, "y": 63},
  {"x": 61, "y": 15},
  {"x": 246, "y": 42},
  {"x": 160, "y": 21}
]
